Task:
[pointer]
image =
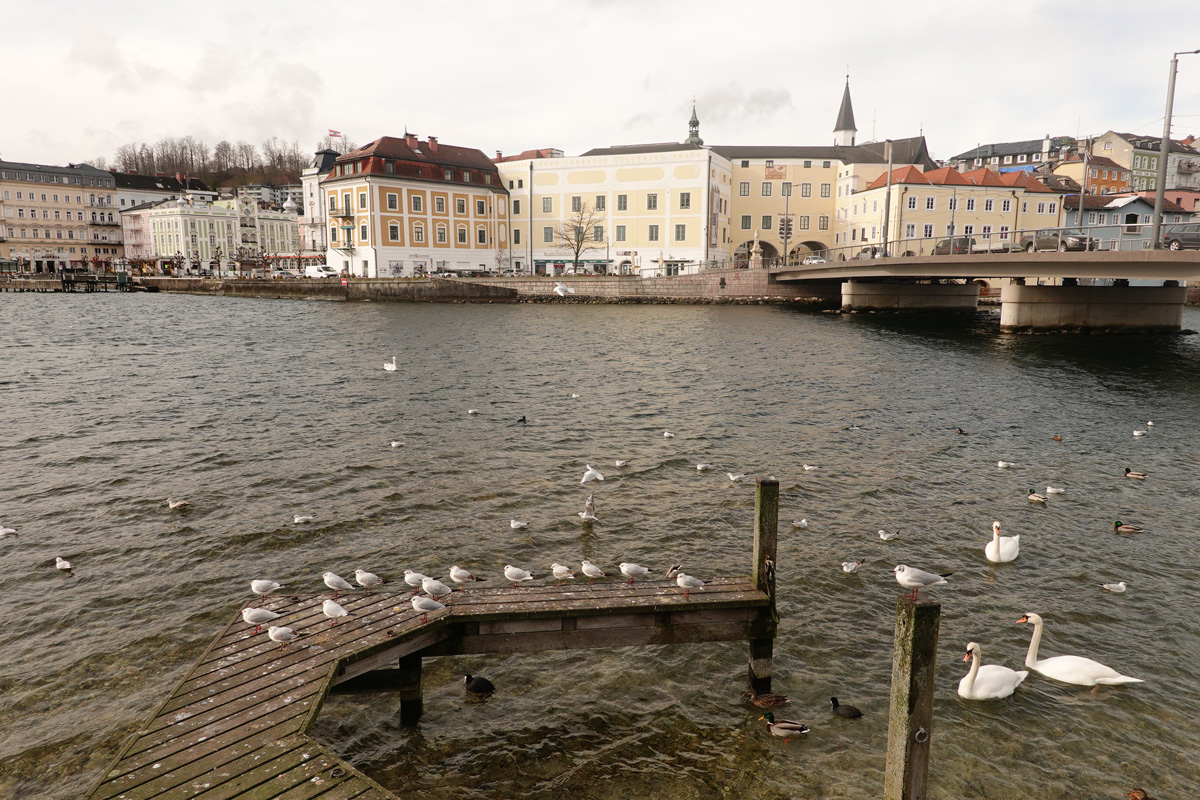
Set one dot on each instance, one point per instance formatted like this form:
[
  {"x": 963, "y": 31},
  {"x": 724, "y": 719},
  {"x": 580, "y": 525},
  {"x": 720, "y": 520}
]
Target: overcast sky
[{"x": 85, "y": 78}]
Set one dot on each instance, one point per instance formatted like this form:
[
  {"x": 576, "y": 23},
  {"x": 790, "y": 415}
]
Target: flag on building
[{"x": 332, "y": 132}]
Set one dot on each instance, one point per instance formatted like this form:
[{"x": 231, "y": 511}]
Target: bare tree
[
  {"x": 342, "y": 144},
  {"x": 223, "y": 157},
  {"x": 578, "y": 232},
  {"x": 126, "y": 158},
  {"x": 247, "y": 156}
]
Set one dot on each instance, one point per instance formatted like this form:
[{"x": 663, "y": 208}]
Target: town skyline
[{"x": 613, "y": 73}]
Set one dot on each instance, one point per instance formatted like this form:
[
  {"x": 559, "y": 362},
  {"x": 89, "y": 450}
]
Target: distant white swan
[
  {"x": 1002, "y": 549},
  {"x": 1069, "y": 669},
  {"x": 390, "y": 366},
  {"x": 987, "y": 682}
]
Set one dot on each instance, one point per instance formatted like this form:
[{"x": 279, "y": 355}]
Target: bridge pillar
[
  {"x": 1086, "y": 308},
  {"x": 409, "y": 683},
  {"x": 857, "y": 296}
]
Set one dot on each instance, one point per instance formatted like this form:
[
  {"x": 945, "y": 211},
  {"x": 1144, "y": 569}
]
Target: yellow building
[
  {"x": 404, "y": 207},
  {"x": 52, "y": 218}
]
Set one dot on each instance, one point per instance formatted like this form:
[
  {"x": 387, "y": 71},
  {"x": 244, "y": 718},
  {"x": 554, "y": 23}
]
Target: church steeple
[
  {"x": 694, "y": 128},
  {"x": 844, "y": 130}
]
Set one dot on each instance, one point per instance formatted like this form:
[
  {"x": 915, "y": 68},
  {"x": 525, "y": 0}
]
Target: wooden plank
[
  {"x": 614, "y": 621},
  {"x": 590, "y": 639},
  {"x": 198, "y": 776},
  {"x": 282, "y": 773},
  {"x": 520, "y": 626}
]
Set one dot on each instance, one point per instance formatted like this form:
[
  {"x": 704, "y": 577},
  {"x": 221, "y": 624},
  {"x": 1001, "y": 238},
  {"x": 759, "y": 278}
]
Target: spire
[
  {"x": 844, "y": 130},
  {"x": 694, "y": 127}
]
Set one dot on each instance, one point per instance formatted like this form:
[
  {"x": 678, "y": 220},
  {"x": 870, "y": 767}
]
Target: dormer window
[
  {"x": 448, "y": 174},
  {"x": 466, "y": 176}
]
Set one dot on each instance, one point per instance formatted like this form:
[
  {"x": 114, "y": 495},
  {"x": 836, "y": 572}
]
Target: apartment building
[
  {"x": 404, "y": 207},
  {"x": 52, "y": 218},
  {"x": 1104, "y": 176},
  {"x": 1141, "y": 154},
  {"x": 313, "y": 223},
  {"x": 134, "y": 189}
]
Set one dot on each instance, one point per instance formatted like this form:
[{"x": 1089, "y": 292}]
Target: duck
[
  {"x": 476, "y": 684},
  {"x": 844, "y": 711},
  {"x": 1056, "y": 438},
  {"x": 1069, "y": 669},
  {"x": 1034, "y": 497},
  {"x": 784, "y": 727},
  {"x": 988, "y": 682},
  {"x": 765, "y": 700},
  {"x": 1001, "y": 549},
  {"x": 960, "y": 432},
  {"x": 390, "y": 366},
  {"x": 1140, "y": 476},
  {"x": 1138, "y": 794},
  {"x": 1121, "y": 527}
]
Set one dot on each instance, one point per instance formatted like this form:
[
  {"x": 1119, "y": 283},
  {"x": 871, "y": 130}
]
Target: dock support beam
[
  {"x": 409, "y": 681},
  {"x": 766, "y": 540},
  {"x": 910, "y": 712}
]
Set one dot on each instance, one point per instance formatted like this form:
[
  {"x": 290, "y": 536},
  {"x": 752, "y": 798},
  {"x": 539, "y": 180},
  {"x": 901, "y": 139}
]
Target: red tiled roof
[
  {"x": 414, "y": 159},
  {"x": 947, "y": 176},
  {"x": 903, "y": 175},
  {"x": 983, "y": 177},
  {"x": 545, "y": 152}
]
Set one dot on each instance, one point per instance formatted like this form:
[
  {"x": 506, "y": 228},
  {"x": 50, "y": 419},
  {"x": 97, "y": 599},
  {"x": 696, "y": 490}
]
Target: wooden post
[
  {"x": 910, "y": 712},
  {"x": 411, "y": 703},
  {"x": 766, "y": 539}
]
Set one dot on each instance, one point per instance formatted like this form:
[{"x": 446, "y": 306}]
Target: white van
[{"x": 320, "y": 271}]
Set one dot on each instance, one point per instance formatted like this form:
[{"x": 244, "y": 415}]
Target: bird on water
[
  {"x": 765, "y": 700},
  {"x": 844, "y": 711},
  {"x": 478, "y": 685},
  {"x": 786, "y": 728}
]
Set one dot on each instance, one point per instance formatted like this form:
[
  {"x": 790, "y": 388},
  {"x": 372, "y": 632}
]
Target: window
[
  {"x": 744, "y": 189},
  {"x": 986, "y": 231},
  {"x": 622, "y": 202},
  {"x": 912, "y": 202},
  {"x": 806, "y": 190},
  {"x": 487, "y": 179},
  {"x": 910, "y": 231},
  {"x": 1021, "y": 158},
  {"x": 448, "y": 174},
  {"x": 598, "y": 233},
  {"x": 440, "y": 236},
  {"x": 952, "y": 204},
  {"x": 516, "y": 236},
  {"x": 949, "y": 230},
  {"x": 600, "y": 202},
  {"x": 393, "y": 202},
  {"x": 480, "y": 208},
  {"x": 989, "y": 205},
  {"x": 744, "y": 165},
  {"x": 416, "y": 204},
  {"x": 766, "y": 222},
  {"x": 930, "y": 203},
  {"x": 804, "y": 218},
  {"x": 968, "y": 230},
  {"x": 516, "y": 206},
  {"x": 460, "y": 206},
  {"x": 745, "y": 222},
  {"x": 766, "y": 189},
  {"x": 1004, "y": 232},
  {"x": 362, "y": 199},
  {"x": 547, "y": 234},
  {"x": 394, "y": 232},
  {"x": 652, "y": 233},
  {"x": 1008, "y": 159},
  {"x": 1054, "y": 209},
  {"x": 439, "y": 205},
  {"x": 466, "y": 176},
  {"x": 1041, "y": 208},
  {"x": 1005, "y": 206},
  {"x": 620, "y": 233},
  {"x": 333, "y": 234},
  {"x": 685, "y": 199},
  {"x": 332, "y": 201},
  {"x": 419, "y": 234},
  {"x": 510, "y": 184},
  {"x": 823, "y": 220},
  {"x": 547, "y": 205},
  {"x": 825, "y": 164},
  {"x": 362, "y": 232},
  {"x": 825, "y": 186},
  {"x": 481, "y": 235},
  {"x": 576, "y": 204},
  {"x": 680, "y": 232},
  {"x": 927, "y": 232},
  {"x": 462, "y": 234},
  {"x": 1024, "y": 207},
  {"x": 970, "y": 204},
  {"x": 652, "y": 202}
]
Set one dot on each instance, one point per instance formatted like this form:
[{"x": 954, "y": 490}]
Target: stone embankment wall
[{"x": 434, "y": 291}]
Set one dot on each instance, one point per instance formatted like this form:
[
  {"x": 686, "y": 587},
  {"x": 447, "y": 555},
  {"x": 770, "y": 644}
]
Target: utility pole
[{"x": 1165, "y": 151}]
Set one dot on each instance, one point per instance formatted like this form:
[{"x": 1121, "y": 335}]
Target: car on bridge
[
  {"x": 1060, "y": 239},
  {"x": 814, "y": 259},
  {"x": 1182, "y": 237},
  {"x": 955, "y": 245}
]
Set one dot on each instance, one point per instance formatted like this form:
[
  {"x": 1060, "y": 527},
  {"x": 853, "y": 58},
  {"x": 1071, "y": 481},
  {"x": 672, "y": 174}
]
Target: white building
[
  {"x": 313, "y": 240},
  {"x": 134, "y": 189}
]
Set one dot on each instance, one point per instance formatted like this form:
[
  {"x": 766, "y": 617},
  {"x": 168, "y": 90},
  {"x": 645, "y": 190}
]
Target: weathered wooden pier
[{"x": 237, "y": 725}]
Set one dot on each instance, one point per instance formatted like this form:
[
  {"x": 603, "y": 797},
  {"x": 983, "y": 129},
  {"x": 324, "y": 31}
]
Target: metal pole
[
  {"x": 1164, "y": 151},
  {"x": 887, "y": 197}
]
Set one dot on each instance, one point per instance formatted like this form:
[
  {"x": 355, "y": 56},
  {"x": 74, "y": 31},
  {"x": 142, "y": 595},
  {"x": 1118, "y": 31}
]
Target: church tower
[
  {"x": 844, "y": 130},
  {"x": 694, "y": 128}
]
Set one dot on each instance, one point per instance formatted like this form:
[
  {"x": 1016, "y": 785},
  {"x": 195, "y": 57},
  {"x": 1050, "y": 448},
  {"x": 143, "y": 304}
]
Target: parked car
[
  {"x": 955, "y": 245},
  {"x": 320, "y": 271},
  {"x": 1182, "y": 237},
  {"x": 814, "y": 259},
  {"x": 1060, "y": 239}
]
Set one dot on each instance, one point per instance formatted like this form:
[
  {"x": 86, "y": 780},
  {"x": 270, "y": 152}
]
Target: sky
[{"x": 86, "y": 78}]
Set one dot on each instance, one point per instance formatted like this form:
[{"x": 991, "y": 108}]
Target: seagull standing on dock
[
  {"x": 435, "y": 588},
  {"x": 516, "y": 574},
  {"x": 257, "y": 616},
  {"x": 589, "y": 509},
  {"x": 367, "y": 580},
  {"x": 337, "y": 583},
  {"x": 592, "y": 571},
  {"x": 414, "y": 580},
  {"x": 562, "y": 573},
  {"x": 632, "y": 571},
  {"x": 282, "y": 634},
  {"x": 460, "y": 575},
  {"x": 426, "y": 605},
  {"x": 262, "y": 588},
  {"x": 688, "y": 583},
  {"x": 918, "y": 579},
  {"x": 592, "y": 474},
  {"x": 333, "y": 609}
]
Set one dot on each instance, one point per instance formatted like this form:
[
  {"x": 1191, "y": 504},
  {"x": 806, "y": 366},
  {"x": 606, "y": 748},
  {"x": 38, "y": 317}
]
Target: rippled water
[{"x": 258, "y": 410}]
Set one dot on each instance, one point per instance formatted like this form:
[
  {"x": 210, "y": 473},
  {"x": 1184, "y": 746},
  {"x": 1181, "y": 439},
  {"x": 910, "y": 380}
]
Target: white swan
[
  {"x": 390, "y": 366},
  {"x": 1002, "y": 549},
  {"x": 988, "y": 682},
  {"x": 1069, "y": 669}
]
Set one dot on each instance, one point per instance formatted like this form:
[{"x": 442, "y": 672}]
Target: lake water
[{"x": 256, "y": 410}]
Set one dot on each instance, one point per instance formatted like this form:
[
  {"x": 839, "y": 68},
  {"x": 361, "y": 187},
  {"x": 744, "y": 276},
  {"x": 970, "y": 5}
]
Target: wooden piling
[
  {"x": 766, "y": 542},
  {"x": 910, "y": 711},
  {"x": 411, "y": 702}
]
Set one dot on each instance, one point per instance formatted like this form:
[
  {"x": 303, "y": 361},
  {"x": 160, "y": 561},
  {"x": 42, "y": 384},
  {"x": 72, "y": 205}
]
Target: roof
[
  {"x": 545, "y": 152},
  {"x": 1104, "y": 162},
  {"x": 948, "y": 176},
  {"x": 983, "y": 177},
  {"x": 904, "y": 151},
  {"x": 845, "y": 117},
  {"x": 416, "y": 160},
  {"x": 635, "y": 149},
  {"x": 1025, "y": 181},
  {"x": 69, "y": 169},
  {"x": 1015, "y": 148},
  {"x": 1154, "y": 143},
  {"x": 152, "y": 183},
  {"x": 1119, "y": 201},
  {"x": 323, "y": 159}
]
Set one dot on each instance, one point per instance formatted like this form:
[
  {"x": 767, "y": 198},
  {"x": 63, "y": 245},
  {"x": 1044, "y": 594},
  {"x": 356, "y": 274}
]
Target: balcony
[
  {"x": 334, "y": 211},
  {"x": 1189, "y": 167},
  {"x": 115, "y": 223}
]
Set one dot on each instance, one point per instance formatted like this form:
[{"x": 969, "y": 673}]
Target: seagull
[
  {"x": 257, "y": 616},
  {"x": 517, "y": 524},
  {"x": 887, "y": 537},
  {"x": 851, "y": 567},
  {"x": 390, "y": 366},
  {"x": 460, "y": 575},
  {"x": 735, "y": 477},
  {"x": 668, "y": 435},
  {"x": 397, "y": 444},
  {"x": 337, "y": 583},
  {"x": 8, "y": 532},
  {"x": 917, "y": 579},
  {"x": 1004, "y": 464},
  {"x": 1139, "y": 433},
  {"x": 367, "y": 580},
  {"x": 63, "y": 564},
  {"x": 435, "y": 588},
  {"x": 1052, "y": 490},
  {"x": 1141, "y": 476},
  {"x": 413, "y": 579},
  {"x": 621, "y": 462},
  {"x": 1114, "y": 587},
  {"x": 688, "y": 583},
  {"x": 703, "y": 467},
  {"x": 810, "y": 467},
  {"x": 800, "y": 523},
  {"x": 1150, "y": 423},
  {"x": 592, "y": 474},
  {"x": 1034, "y": 497},
  {"x": 516, "y": 574},
  {"x": 333, "y": 609},
  {"x": 173, "y": 504},
  {"x": 425, "y": 605},
  {"x": 632, "y": 571},
  {"x": 592, "y": 571},
  {"x": 562, "y": 573},
  {"x": 281, "y": 634},
  {"x": 472, "y": 411},
  {"x": 1120, "y": 527},
  {"x": 562, "y": 290},
  {"x": 301, "y": 519},
  {"x": 589, "y": 509},
  {"x": 574, "y": 396},
  {"x": 263, "y": 588}
]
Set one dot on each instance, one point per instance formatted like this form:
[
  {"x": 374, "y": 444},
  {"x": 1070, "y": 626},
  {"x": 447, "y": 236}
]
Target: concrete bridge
[{"x": 949, "y": 282}]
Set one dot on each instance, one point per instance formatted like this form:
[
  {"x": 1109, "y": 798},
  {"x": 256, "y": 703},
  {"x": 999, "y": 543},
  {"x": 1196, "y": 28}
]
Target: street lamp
[{"x": 1165, "y": 150}]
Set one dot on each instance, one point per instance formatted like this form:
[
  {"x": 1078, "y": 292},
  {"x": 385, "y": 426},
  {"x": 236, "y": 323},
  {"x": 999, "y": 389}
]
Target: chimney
[
  {"x": 499, "y": 155},
  {"x": 433, "y": 144},
  {"x": 410, "y": 139}
]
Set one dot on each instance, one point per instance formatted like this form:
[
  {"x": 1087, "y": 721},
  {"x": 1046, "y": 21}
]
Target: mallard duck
[
  {"x": 845, "y": 712},
  {"x": 766, "y": 700},
  {"x": 1141, "y": 476},
  {"x": 1034, "y": 497},
  {"x": 1138, "y": 794},
  {"x": 784, "y": 727},
  {"x": 1057, "y": 438},
  {"x": 1121, "y": 527}
]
